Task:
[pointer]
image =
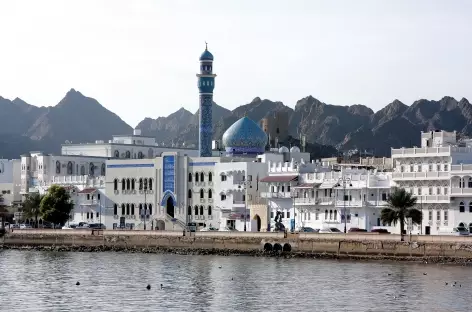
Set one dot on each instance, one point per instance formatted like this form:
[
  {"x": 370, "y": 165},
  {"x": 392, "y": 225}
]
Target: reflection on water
[{"x": 45, "y": 281}]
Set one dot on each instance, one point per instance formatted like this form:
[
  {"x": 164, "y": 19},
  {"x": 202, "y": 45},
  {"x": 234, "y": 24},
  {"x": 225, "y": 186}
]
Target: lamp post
[{"x": 344, "y": 181}]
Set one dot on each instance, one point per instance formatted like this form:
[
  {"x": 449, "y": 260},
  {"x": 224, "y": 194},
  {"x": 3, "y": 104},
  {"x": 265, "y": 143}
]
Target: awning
[
  {"x": 88, "y": 191},
  {"x": 327, "y": 185},
  {"x": 280, "y": 178},
  {"x": 307, "y": 185}
]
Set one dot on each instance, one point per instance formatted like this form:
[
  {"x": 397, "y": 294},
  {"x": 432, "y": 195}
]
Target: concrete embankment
[{"x": 354, "y": 246}]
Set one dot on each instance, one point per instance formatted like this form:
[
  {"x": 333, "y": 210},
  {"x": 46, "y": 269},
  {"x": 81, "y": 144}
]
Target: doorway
[
  {"x": 258, "y": 222},
  {"x": 231, "y": 224},
  {"x": 170, "y": 207},
  {"x": 427, "y": 230}
]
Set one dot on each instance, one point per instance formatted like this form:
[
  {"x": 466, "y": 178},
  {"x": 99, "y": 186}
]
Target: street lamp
[{"x": 344, "y": 181}]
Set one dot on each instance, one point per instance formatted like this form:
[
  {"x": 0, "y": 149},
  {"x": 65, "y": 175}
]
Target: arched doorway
[
  {"x": 258, "y": 222},
  {"x": 170, "y": 206},
  {"x": 160, "y": 225},
  {"x": 470, "y": 227}
]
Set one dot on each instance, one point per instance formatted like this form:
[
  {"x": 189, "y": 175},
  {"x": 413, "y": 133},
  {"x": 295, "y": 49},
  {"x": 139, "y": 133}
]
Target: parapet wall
[{"x": 334, "y": 244}]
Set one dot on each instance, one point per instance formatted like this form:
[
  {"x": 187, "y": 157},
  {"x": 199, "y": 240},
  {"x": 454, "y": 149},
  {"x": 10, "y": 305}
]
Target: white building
[
  {"x": 10, "y": 181},
  {"x": 439, "y": 174}
]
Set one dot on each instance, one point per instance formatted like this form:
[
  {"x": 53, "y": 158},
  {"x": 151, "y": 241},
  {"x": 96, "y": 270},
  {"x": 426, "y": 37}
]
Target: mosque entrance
[
  {"x": 170, "y": 207},
  {"x": 258, "y": 222}
]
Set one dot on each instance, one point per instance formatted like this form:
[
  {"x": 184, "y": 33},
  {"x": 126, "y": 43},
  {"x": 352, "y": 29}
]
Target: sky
[{"x": 139, "y": 58}]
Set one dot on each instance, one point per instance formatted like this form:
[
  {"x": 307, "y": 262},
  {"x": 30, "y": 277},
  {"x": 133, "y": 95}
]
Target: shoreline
[{"x": 249, "y": 253}]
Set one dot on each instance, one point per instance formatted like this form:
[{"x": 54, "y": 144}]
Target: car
[
  {"x": 97, "y": 226},
  {"x": 308, "y": 229},
  {"x": 380, "y": 231},
  {"x": 25, "y": 226},
  {"x": 331, "y": 230},
  {"x": 83, "y": 225},
  {"x": 355, "y": 230},
  {"x": 208, "y": 229},
  {"x": 14, "y": 226}
]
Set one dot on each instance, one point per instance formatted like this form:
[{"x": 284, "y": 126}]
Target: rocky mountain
[{"x": 76, "y": 118}]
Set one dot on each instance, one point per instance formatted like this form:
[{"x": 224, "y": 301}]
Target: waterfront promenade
[{"x": 377, "y": 246}]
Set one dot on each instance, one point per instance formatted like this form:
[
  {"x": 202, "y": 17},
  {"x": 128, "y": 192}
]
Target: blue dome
[
  {"x": 244, "y": 137},
  {"x": 206, "y": 56}
]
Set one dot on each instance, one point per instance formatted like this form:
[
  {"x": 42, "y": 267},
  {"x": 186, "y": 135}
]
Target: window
[
  {"x": 141, "y": 209},
  {"x": 132, "y": 209},
  {"x": 244, "y": 198},
  {"x": 140, "y": 183},
  {"x": 128, "y": 154},
  {"x": 288, "y": 188},
  {"x": 58, "y": 167},
  {"x": 411, "y": 168},
  {"x": 438, "y": 215},
  {"x": 128, "y": 184},
  {"x": 196, "y": 177},
  {"x": 127, "y": 209},
  {"x": 201, "y": 210},
  {"x": 145, "y": 184},
  {"x": 438, "y": 191},
  {"x": 469, "y": 183},
  {"x": 271, "y": 214},
  {"x": 223, "y": 197},
  {"x": 249, "y": 177},
  {"x": 150, "y": 209},
  {"x": 201, "y": 193},
  {"x": 88, "y": 215},
  {"x": 430, "y": 191},
  {"x": 123, "y": 211},
  {"x": 282, "y": 189},
  {"x": 223, "y": 178},
  {"x": 190, "y": 177},
  {"x": 115, "y": 209},
  {"x": 430, "y": 215},
  {"x": 115, "y": 184},
  {"x": 201, "y": 177},
  {"x": 445, "y": 168},
  {"x": 461, "y": 207},
  {"x": 402, "y": 169},
  {"x": 123, "y": 184},
  {"x": 133, "y": 183},
  {"x": 210, "y": 193},
  {"x": 330, "y": 214},
  {"x": 189, "y": 193},
  {"x": 317, "y": 215},
  {"x": 384, "y": 196},
  {"x": 419, "y": 191},
  {"x": 326, "y": 214},
  {"x": 419, "y": 168},
  {"x": 430, "y": 167},
  {"x": 438, "y": 167},
  {"x": 210, "y": 176},
  {"x": 445, "y": 215},
  {"x": 288, "y": 214},
  {"x": 189, "y": 210},
  {"x": 88, "y": 196},
  {"x": 150, "y": 184},
  {"x": 196, "y": 210},
  {"x": 209, "y": 210},
  {"x": 470, "y": 207},
  {"x": 445, "y": 191},
  {"x": 335, "y": 215}
]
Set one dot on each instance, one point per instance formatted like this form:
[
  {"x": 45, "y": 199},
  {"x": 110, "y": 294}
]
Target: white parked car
[
  {"x": 25, "y": 226},
  {"x": 332, "y": 230}
]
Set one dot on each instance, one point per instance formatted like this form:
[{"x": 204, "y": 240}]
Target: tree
[
  {"x": 400, "y": 207},
  {"x": 31, "y": 206},
  {"x": 3, "y": 211},
  {"x": 56, "y": 205}
]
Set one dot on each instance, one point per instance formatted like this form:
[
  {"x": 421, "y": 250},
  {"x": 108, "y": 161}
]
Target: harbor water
[{"x": 46, "y": 281}]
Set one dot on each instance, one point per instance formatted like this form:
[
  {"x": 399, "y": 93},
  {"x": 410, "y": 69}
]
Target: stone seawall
[{"x": 358, "y": 246}]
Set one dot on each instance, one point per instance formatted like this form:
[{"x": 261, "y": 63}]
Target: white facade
[
  {"x": 438, "y": 174},
  {"x": 10, "y": 181}
]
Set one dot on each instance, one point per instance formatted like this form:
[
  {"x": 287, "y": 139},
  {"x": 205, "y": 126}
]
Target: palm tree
[
  {"x": 31, "y": 206},
  {"x": 400, "y": 207}
]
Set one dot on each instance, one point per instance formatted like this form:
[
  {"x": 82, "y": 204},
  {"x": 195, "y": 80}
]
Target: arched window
[
  {"x": 145, "y": 184},
  {"x": 189, "y": 210},
  {"x": 117, "y": 154},
  {"x": 196, "y": 210},
  {"x": 115, "y": 184},
  {"x": 145, "y": 209},
  {"x": 331, "y": 215},
  {"x": 210, "y": 177},
  {"x": 335, "y": 215},
  {"x": 91, "y": 169},
  {"x": 209, "y": 210},
  {"x": 128, "y": 154},
  {"x": 123, "y": 184},
  {"x": 133, "y": 182},
  {"x": 469, "y": 184},
  {"x": 132, "y": 209},
  {"x": 58, "y": 167},
  {"x": 461, "y": 225},
  {"x": 326, "y": 214},
  {"x": 190, "y": 177},
  {"x": 150, "y": 209},
  {"x": 150, "y": 184},
  {"x": 128, "y": 184},
  {"x": 201, "y": 193},
  {"x": 196, "y": 177},
  {"x": 140, "y": 155},
  {"x": 127, "y": 209},
  {"x": 140, "y": 183},
  {"x": 470, "y": 207},
  {"x": 103, "y": 171},
  {"x": 115, "y": 209},
  {"x": 461, "y": 207},
  {"x": 76, "y": 169},
  {"x": 82, "y": 170},
  {"x": 210, "y": 193},
  {"x": 201, "y": 177},
  {"x": 141, "y": 212},
  {"x": 201, "y": 210},
  {"x": 189, "y": 193},
  {"x": 123, "y": 209},
  {"x": 69, "y": 167}
]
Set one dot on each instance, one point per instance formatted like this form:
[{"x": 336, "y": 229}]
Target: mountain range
[{"x": 328, "y": 128}]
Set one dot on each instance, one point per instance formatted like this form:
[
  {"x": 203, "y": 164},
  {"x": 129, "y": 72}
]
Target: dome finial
[{"x": 206, "y": 46}]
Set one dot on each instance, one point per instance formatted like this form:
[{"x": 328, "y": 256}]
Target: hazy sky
[{"x": 139, "y": 58}]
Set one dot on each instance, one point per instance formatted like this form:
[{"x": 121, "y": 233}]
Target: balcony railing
[
  {"x": 421, "y": 175},
  {"x": 421, "y": 151},
  {"x": 306, "y": 200},
  {"x": 432, "y": 198},
  {"x": 276, "y": 195},
  {"x": 461, "y": 167},
  {"x": 460, "y": 191}
]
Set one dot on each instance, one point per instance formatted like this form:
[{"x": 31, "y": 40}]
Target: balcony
[
  {"x": 431, "y": 175},
  {"x": 306, "y": 201},
  {"x": 276, "y": 195},
  {"x": 464, "y": 169},
  {"x": 90, "y": 202},
  {"x": 433, "y": 198},
  {"x": 421, "y": 152},
  {"x": 455, "y": 191}
]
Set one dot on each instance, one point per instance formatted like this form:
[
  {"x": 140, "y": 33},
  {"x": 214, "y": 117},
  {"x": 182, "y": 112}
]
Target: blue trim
[
  {"x": 194, "y": 164},
  {"x": 131, "y": 166},
  {"x": 166, "y": 196}
]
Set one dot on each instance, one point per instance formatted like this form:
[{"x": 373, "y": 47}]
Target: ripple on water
[{"x": 46, "y": 281}]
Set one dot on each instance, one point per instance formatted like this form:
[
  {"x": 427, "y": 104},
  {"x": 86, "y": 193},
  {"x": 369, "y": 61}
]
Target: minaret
[{"x": 206, "y": 84}]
